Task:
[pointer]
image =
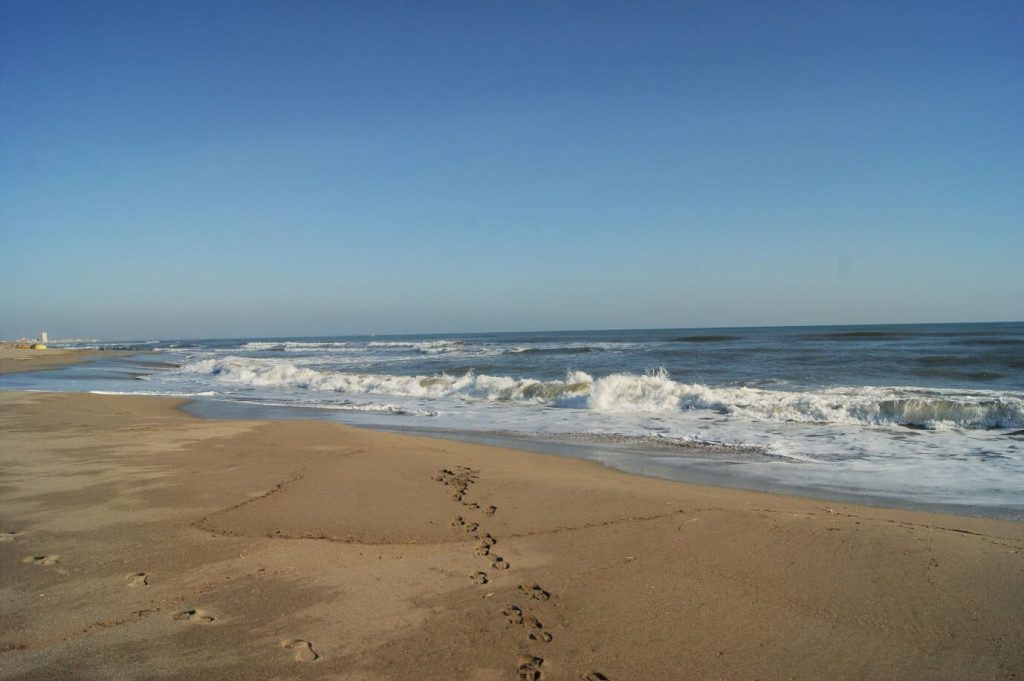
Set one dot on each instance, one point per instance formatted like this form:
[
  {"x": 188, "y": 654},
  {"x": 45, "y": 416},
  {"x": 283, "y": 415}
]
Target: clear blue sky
[{"x": 183, "y": 169}]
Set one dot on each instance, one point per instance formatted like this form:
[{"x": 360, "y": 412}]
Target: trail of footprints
[{"x": 528, "y": 667}]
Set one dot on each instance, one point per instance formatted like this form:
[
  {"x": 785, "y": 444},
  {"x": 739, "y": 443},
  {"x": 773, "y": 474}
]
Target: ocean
[{"x": 920, "y": 416}]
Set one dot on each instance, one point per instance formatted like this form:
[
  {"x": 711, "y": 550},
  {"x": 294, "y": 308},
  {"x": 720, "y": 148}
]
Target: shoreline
[
  {"x": 700, "y": 469},
  {"x": 288, "y": 532},
  {"x": 689, "y": 465}
]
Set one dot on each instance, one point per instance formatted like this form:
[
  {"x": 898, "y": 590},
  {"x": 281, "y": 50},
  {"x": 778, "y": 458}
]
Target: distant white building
[{"x": 42, "y": 338}]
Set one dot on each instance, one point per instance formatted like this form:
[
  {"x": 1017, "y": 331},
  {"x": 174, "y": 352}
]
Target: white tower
[{"x": 42, "y": 338}]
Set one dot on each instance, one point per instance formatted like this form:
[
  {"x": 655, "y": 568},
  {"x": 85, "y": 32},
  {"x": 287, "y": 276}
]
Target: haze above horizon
[{"x": 243, "y": 169}]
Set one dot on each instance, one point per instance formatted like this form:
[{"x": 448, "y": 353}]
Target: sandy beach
[
  {"x": 14, "y": 359},
  {"x": 140, "y": 542}
]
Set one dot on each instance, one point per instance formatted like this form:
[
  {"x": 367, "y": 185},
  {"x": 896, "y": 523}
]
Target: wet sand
[{"x": 141, "y": 543}]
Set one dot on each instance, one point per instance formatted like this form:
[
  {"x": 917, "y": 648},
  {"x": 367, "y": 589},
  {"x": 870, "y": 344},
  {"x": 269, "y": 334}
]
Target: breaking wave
[
  {"x": 434, "y": 347},
  {"x": 293, "y": 346},
  {"x": 570, "y": 348},
  {"x": 278, "y": 373},
  {"x": 563, "y": 350},
  {"x": 651, "y": 392}
]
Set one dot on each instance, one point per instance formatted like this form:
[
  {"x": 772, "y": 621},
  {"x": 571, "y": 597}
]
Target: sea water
[{"x": 927, "y": 416}]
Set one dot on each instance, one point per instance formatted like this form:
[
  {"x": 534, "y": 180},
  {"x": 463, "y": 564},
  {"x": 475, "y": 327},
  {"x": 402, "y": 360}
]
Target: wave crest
[
  {"x": 434, "y": 347},
  {"x": 293, "y": 346},
  {"x": 652, "y": 392}
]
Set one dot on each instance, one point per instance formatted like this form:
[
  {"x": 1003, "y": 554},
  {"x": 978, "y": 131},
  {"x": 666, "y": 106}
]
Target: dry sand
[
  {"x": 148, "y": 544},
  {"x": 14, "y": 359}
]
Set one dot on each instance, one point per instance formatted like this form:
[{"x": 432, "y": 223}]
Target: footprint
[
  {"x": 457, "y": 521},
  {"x": 193, "y": 616},
  {"x": 487, "y": 539},
  {"x": 8, "y": 536},
  {"x": 499, "y": 563},
  {"x": 483, "y": 549},
  {"x": 41, "y": 560},
  {"x": 534, "y": 591},
  {"x": 471, "y": 505},
  {"x": 490, "y": 510},
  {"x": 595, "y": 676},
  {"x": 460, "y": 479},
  {"x": 471, "y": 527},
  {"x": 138, "y": 579},
  {"x": 536, "y": 630},
  {"x": 303, "y": 650},
  {"x": 514, "y": 614},
  {"x": 529, "y": 667},
  {"x": 460, "y": 476},
  {"x": 478, "y": 577}
]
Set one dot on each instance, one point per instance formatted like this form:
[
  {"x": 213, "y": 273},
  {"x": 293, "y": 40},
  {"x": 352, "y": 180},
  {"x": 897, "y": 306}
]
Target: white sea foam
[
  {"x": 156, "y": 393},
  {"x": 570, "y": 347},
  {"x": 629, "y": 392},
  {"x": 370, "y": 407},
  {"x": 433, "y": 347},
  {"x": 649, "y": 393},
  {"x": 282, "y": 373},
  {"x": 293, "y": 346}
]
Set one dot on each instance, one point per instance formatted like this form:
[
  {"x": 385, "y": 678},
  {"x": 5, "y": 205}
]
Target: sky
[{"x": 227, "y": 169}]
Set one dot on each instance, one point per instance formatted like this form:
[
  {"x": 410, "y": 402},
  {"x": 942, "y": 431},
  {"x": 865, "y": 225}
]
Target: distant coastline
[{"x": 14, "y": 359}]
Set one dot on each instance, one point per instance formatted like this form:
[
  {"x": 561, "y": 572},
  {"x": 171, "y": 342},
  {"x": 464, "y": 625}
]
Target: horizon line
[{"x": 528, "y": 331}]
